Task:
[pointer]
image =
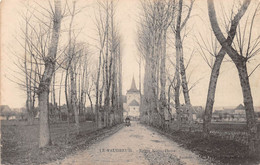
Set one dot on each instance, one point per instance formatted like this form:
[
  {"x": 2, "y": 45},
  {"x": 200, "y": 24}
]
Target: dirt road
[{"x": 134, "y": 145}]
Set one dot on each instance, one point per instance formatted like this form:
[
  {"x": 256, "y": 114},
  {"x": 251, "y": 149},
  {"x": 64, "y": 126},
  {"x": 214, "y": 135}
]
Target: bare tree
[
  {"x": 30, "y": 62},
  {"x": 41, "y": 37},
  {"x": 72, "y": 70},
  {"x": 166, "y": 19},
  {"x": 146, "y": 47},
  {"x": 100, "y": 24},
  {"x": 89, "y": 87},
  {"x": 43, "y": 91},
  {"x": 180, "y": 66},
  {"x": 107, "y": 67},
  {"x": 157, "y": 17},
  {"x": 120, "y": 95},
  {"x": 41, "y": 45},
  {"x": 27, "y": 78},
  {"x": 240, "y": 59},
  {"x": 219, "y": 56}
]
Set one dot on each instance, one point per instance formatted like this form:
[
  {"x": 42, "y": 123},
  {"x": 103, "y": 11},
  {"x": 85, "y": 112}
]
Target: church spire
[{"x": 133, "y": 86}]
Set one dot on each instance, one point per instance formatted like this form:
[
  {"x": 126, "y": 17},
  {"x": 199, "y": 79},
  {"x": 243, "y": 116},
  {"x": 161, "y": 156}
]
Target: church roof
[
  {"x": 134, "y": 103},
  {"x": 133, "y": 86}
]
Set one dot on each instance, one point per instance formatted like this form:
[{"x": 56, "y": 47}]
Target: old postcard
[{"x": 130, "y": 82}]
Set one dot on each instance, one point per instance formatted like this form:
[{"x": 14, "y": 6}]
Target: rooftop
[
  {"x": 134, "y": 103},
  {"x": 240, "y": 107},
  {"x": 133, "y": 87}
]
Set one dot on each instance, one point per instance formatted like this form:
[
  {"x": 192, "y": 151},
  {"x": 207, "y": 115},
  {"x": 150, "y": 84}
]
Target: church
[{"x": 132, "y": 105}]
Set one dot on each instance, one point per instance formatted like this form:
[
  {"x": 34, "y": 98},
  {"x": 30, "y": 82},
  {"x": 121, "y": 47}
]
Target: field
[
  {"x": 227, "y": 143},
  {"x": 230, "y": 126},
  {"x": 236, "y": 131},
  {"x": 20, "y": 141}
]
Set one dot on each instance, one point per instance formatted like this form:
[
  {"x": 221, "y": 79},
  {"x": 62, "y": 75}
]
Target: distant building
[
  {"x": 132, "y": 105},
  {"x": 191, "y": 113},
  {"x": 240, "y": 113},
  {"x": 240, "y": 109},
  {"x": 194, "y": 112},
  {"x": 236, "y": 114}
]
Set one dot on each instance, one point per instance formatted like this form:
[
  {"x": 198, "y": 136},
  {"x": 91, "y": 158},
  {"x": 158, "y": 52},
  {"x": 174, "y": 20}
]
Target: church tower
[{"x": 133, "y": 101}]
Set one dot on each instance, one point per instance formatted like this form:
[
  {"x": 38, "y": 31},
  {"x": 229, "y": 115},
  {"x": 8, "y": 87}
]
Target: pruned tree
[
  {"x": 44, "y": 86},
  {"x": 109, "y": 52},
  {"x": 240, "y": 58},
  {"x": 219, "y": 56},
  {"x": 30, "y": 63},
  {"x": 157, "y": 17},
  {"x": 72, "y": 69},
  {"x": 180, "y": 70},
  {"x": 28, "y": 74}
]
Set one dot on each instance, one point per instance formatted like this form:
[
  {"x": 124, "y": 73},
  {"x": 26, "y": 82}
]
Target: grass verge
[
  {"x": 17, "y": 151},
  {"x": 217, "y": 150}
]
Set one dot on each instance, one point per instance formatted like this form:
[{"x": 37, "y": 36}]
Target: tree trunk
[
  {"x": 180, "y": 51},
  {"x": 178, "y": 83},
  {"x": 53, "y": 92},
  {"x": 91, "y": 103},
  {"x": 169, "y": 98},
  {"x": 68, "y": 103},
  {"x": 66, "y": 90},
  {"x": 28, "y": 85},
  {"x": 60, "y": 96},
  {"x": 72, "y": 70},
  {"x": 74, "y": 99},
  {"x": 163, "y": 79},
  {"x": 249, "y": 107},
  {"x": 79, "y": 90},
  {"x": 211, "y": 92},
  {"x": 45, "y": 138},
  {"x": 101, "y": 112},
  {"x": 97, "y": 92},
  {"x": 44, "y": 86},
  {"x": 184, "y": 79},
  {"x": 178, "y": 46},
  {"x": 120, "y": 86},
  {"x": 34, "y": 94},
  {"x": 83, "y": 91}
]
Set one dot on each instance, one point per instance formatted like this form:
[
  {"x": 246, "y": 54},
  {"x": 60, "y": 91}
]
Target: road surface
[{"x": 133, "y": 146}]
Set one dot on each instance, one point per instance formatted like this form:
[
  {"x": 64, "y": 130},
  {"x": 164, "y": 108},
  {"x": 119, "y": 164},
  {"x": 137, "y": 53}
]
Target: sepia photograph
[{"x": 130, "y": 82}]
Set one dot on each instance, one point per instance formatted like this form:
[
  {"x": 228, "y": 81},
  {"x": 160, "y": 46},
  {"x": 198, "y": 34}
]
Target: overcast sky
[{"x": 127, "y": 16}]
